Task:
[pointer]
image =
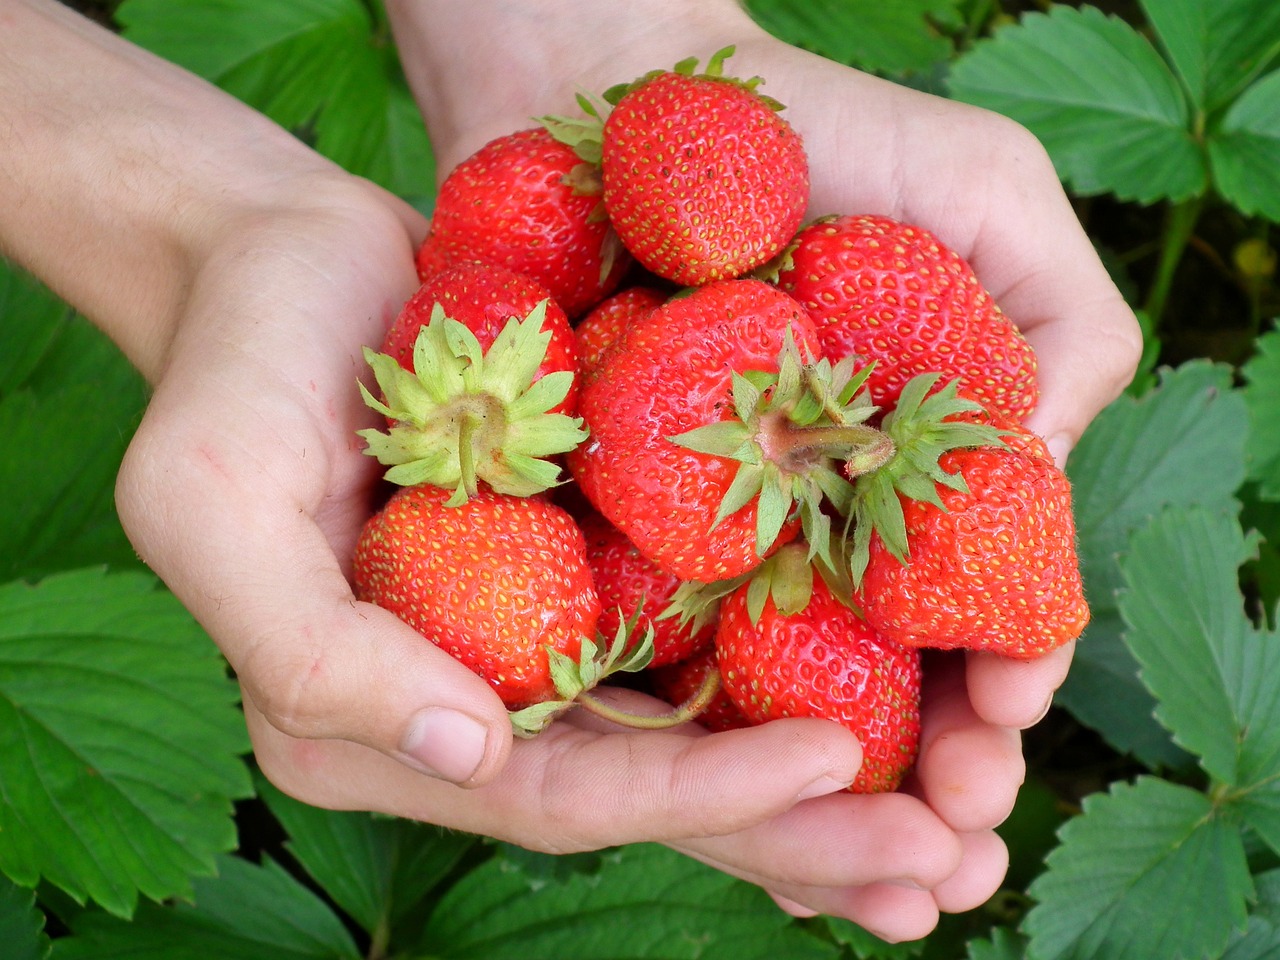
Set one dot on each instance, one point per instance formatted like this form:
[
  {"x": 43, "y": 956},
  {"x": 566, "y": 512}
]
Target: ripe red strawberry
[
  {"x": 605, "y": 324},
  {"x": 824, "y": 661},
  {"x": 703, "y": 180},
  {"x": 893, "y": 293},
  {"x": 710, "y": 503},
  {"x": 527, "y": 202},
  {"x": 627, "y": 582},
  {"x": 676, "y": 683},
  {"x": 994, "y": 567},
  {"x": 494, "y": 582},
  {"x": 478, "y": 383}
]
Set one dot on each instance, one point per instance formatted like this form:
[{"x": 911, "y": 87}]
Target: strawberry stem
[{"x": 689, "y": 710}]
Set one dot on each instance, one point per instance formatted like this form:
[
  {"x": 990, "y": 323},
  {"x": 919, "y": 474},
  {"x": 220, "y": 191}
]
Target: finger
[
  {"x": 838, "y": 841},
  {"x": 982, "y": 870},
  {"x": 791, "y": 907},
  {"x": 969, "y": 771},
  {"x": 1015, "y": 693},
  {"x": 892, "y": 913},
  {"x": 570, "y": 789}
]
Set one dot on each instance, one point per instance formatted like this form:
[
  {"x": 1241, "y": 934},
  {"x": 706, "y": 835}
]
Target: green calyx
[
  {"x": 467, "y": 415},
  {"x": 790, "y": 434},
  {"x": 921, "y": 428},
  {"x": 575, "y": 680},
  {"x": 688, "y": 67}
]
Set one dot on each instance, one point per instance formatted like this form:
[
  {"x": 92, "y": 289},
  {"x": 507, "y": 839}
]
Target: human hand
[{"x": 977, "y": 180}]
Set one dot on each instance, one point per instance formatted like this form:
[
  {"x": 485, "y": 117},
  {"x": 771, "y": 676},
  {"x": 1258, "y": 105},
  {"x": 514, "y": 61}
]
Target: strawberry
[
  {"x": 676, "y": 683},
  {"x": 630, "y": 585},
  {"x": 694, "y": 418},
  {"x": 816, "y": 657},
  {"x": 527, "y": 202},
  {"x": 478, "y": 384},
  {"x": 703, "y": 180},
  {"x": 893, "y": 293},
  {"x": 501, "y": 583},
  {"x": 605, "y": 324},
  {"x": 990, "y": 564}
]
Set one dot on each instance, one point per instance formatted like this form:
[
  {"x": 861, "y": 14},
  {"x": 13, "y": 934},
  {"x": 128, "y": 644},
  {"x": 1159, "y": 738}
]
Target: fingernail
[
  {"x": 1060, "y": 446},
  {"x": 823, "y": 786},
  {"x": 446, "y": 744},
  {"x": 1044, "y": 712}
]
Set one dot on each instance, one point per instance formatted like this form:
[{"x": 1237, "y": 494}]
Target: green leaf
[
  {"x": 1214, "y": 675},
  {"x": 867, "y": 946},
  {"x": 377, "y": 869},
  {"x": 1260, "y": 940},
  {"x": 1245, "y": 150},
  {"x": 1216, "y": 46},
  {"x": 1004, "y": 944},
  {"x": 1138, "y": 457},
  {"x": 1099, "y": 97},
  {"x": 120, "y": 740},
  {"x": 21, "y": 924},
  {"x": 1149, "y": 871},
  {"x": 69, "y": 402},
  {"x": 319, "y": 67},
  {"x": 899, "y": 37},
  {"x": 644, "y": 902},
  {"x": 247, "y": 913},
  {"x": 1262, "y": 395}
]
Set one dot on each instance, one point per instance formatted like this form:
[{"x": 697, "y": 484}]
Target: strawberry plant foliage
[
  {"x": 1139, "y": 456},
  {"x": 126, "y": 787},
  {"x": 21, "y": 924},
  {"x": 1262, "y": 394}
]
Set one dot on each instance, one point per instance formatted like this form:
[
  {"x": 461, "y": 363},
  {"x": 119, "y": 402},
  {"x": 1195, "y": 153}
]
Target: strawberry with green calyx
[
  {"x": 990, "y": 560},
  {"x": 527, "y": 202},
  {"x": 894, "y": 294},
  {"x": 502, "y": 584},
  {"x": 464, "y": 412},
  {"x": 707, "y": 446},
  {"x": 630, "y": 585},
  {"x": 703, "y": 180},
  {"x": 795, "y": 647}
]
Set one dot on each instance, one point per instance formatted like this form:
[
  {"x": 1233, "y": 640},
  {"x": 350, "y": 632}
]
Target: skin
[{"x": 255, "y": 270}]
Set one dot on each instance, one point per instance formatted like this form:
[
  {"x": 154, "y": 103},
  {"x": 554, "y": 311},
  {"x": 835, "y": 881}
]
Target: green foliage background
[{"x": 132, "y": 824}]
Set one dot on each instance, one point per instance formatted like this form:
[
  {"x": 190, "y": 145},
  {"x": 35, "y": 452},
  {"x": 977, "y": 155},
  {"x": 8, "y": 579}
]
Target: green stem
[
  {"x": 689, "y": 710},
  {"x": 1179, "y": 226}
]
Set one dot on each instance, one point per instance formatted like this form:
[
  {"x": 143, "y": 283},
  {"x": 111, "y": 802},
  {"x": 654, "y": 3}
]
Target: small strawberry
[
  {"x": 703, "y": 180},
  {"x": 676, "y": 683},
  {"x": 631, "y": 586},
  {"x": 698, "y": 449},
  {"x": 812, "y": 655},
  {"x": 893, "y": 293},
  {"x": 605, "y": 324},
  {"x": 500, "y": 583},
  {"x": 989, "y": 563},
  {"x": 478, "y": 383},
  {"x": 527, "y": 202}
]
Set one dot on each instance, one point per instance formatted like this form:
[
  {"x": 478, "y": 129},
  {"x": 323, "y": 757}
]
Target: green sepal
[
  {"x": 695, "y": 603},
  {"x": 584, "y": 134},
  {"x": 468, "y": 415},
  {"x": 688, "y": 67},
  {"x": 597, "y": 661}
]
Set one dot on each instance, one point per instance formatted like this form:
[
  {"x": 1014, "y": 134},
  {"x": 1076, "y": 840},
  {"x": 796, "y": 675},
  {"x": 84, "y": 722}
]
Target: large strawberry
[
  {"x": 698, "y": 449},
  {"x": 703, "y": 179},
  {"x": 607, "y": 321},
  {"x": 989, "y": 563},
  {"x": 894, "y": 294},
  {"x": 816, "y": 657},
  {"x": 478, "y": 381},
  {"x": 629, "y": 585},
  {"x": 527, "y": 202},
  {"x": 501, "y": 583}
]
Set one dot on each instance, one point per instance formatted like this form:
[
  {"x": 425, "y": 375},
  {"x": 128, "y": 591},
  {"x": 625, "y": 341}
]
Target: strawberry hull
[{"x": 673, "y": 372}]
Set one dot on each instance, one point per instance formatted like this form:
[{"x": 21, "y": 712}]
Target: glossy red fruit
[
  {"x": 995, "y": 569},
  {"x": 894, "y": 294},
  {"x": 703, "y": 179},
  {"x": 494, "y": 582},
  {"x": 672, "y": 373},
  {"x": 825, "y": 661},
  {"x": 606, "y": 323},
  {"x": 527, "y": 202},
  {"x": 627, "y": 582}
]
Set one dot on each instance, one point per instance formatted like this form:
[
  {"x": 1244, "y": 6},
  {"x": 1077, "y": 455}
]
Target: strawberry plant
[{"x": 132, "y": 821}]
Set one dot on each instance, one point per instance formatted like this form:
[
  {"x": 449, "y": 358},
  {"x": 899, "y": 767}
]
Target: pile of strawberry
[{"x": 642, "y": 417}]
